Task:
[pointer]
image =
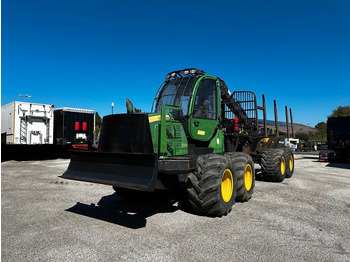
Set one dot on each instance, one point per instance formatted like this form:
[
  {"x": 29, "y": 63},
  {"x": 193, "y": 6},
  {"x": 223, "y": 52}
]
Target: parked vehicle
[
  {"x": 338, "y": 138},
  {"x": 74, "y": 126},
  {"x": 198, "y": 134},
  {"x": 31, "y": 130},
  {"x": 27, "y": 123}
]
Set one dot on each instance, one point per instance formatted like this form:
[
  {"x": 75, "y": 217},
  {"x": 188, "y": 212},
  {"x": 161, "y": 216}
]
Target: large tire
[
  {"x": 288, "y": 154},
  {"x": 273, "y": 165},
  {"x": 244, "y": 168},
  {"x": 212, "y": 188}
]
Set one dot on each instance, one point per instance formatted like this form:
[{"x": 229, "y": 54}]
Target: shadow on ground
[
  {"x": 21, "y": 152},
  {"x": 308, "y": 157},
  {"x": 260, "y": 177},
  {"x": 116, "y": 210},
  {"x": 339, "y": 165}
]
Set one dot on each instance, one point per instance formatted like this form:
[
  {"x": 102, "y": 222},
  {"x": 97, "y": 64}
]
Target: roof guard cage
[{"x": 184, "y": 72}]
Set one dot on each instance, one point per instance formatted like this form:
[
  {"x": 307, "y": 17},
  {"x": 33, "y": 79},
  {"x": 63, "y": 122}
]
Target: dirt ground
[{"x": 46, "y": 218}]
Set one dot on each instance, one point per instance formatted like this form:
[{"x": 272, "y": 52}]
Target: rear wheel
[
  {"x": 289, "y": 161},
  {"x": 212, "y": 188},
  {"x": 273, "y": 165},
  {"x": 244, "y": 168}
]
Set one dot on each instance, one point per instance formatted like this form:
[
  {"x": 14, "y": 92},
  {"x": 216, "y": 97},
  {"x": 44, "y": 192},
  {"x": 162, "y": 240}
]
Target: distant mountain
[{"x": 282, "y": 127}]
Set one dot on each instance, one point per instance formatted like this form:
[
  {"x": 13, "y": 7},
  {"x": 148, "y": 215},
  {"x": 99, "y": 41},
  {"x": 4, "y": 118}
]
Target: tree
[
  {"x": 98, "y": 124},
  {"x": 341, "y": 111},
  {"x": 306, "y": 136},
  {"x": 321, "y": 126},
  {"x": 320, "y": 134},
  {"x": 98, "y": 120}
]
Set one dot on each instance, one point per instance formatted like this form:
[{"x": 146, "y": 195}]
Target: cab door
[{"x": 205, "y": 109}]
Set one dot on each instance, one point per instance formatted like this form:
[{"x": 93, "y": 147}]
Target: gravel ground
[{"x": 46, "y": 218}]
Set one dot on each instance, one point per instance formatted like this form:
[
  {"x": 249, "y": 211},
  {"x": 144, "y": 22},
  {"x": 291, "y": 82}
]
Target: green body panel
[
  {"x": 154, "y": 124},
  {"x": 218, "y": 142},
  {"x": 168, "y": 135},
  {"x": 176, "y": 141},
  {"x": 203, "y": 129}
]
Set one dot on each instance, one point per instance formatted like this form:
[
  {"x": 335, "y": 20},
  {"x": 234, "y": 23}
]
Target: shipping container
[
  {"x": 74, "y": 126},
  {"x": 27, "y": 123}
]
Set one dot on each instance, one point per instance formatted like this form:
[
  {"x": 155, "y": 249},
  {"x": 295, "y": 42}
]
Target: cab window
[{"x": 206, "y": 99}]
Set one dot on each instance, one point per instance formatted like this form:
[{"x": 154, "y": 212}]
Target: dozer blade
[{"x": 130, "y": 170}]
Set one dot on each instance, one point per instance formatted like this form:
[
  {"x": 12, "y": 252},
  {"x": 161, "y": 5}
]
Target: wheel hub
[
  {"x": 248, "y": 177},
  {"x": 291, "y": 163},
  {"x": 227, "y": 185},
  {"x": 283, "y": 165}
]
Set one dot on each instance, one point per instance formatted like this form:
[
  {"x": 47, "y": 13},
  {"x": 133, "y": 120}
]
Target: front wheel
[{"x": 212, "y": 188}]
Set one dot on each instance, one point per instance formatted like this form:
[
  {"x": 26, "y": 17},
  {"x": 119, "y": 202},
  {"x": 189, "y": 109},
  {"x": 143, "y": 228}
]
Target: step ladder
[{"x": 23, "y": 130}]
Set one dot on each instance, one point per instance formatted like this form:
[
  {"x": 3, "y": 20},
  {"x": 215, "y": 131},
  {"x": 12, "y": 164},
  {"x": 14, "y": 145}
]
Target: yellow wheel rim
[
  {"x": 291, "y": 163},
  {"x": 283, "y": 165},
  {"x": 248, "y": 177},
  {"x": 227, "y": 185}
]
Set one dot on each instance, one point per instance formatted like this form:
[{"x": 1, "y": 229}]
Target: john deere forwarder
[{"x": 198, "y": 134}]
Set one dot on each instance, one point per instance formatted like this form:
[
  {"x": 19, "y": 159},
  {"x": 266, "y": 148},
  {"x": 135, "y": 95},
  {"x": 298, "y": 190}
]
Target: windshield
[{"x": 176, "y": 92}]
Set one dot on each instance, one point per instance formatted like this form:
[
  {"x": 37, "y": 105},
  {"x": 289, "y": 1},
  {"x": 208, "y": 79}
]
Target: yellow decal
[
  {"x": 152, "y": 119},
  {"x": 200, "y": 132},
  {"x": 265, "y": 139}
]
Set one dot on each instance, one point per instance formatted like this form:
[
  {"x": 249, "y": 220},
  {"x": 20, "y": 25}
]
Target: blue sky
[{"x": 89, "y": 53}]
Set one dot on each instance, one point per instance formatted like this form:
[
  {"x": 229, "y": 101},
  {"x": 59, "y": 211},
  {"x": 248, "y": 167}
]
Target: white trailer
[{"x": 27, "y": 123}]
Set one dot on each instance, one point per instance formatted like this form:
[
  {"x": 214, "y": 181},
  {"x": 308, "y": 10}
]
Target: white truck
[
  {"x": 292, "y": 143},
  {"x": 27, "y": 123}
]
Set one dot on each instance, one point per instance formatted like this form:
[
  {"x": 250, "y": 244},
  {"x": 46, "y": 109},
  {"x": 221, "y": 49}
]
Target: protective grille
[{"x": 242, "y": 105}]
